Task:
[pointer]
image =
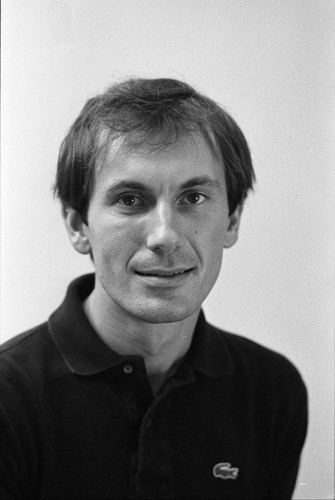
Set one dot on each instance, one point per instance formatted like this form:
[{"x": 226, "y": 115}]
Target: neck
[{"x": 160, "y": 345}]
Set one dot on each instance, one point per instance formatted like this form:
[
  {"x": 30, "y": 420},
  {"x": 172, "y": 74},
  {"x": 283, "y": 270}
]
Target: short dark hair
[{"x": 150, "y": 113}]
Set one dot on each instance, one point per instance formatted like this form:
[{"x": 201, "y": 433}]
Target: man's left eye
[{"x": 193, "y": 199}]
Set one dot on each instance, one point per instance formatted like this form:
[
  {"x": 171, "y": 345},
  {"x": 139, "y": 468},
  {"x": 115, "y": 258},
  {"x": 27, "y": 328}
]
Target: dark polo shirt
[{"x": 79, "y": 421}]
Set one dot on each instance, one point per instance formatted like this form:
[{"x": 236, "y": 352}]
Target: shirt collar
[
  {"x": 86, "y": 354},
  {"x": 209, "y": 351}
]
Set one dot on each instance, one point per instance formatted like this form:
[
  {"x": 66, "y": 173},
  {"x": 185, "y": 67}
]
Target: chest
[{"x": 195, "y": 439}]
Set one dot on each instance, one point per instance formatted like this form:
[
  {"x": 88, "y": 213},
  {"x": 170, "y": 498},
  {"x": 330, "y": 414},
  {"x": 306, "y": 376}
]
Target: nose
[{"x": 162, "y": 233}]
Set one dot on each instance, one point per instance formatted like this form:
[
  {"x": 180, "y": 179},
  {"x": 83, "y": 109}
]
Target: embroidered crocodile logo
[{"x": 224, "y": 470}]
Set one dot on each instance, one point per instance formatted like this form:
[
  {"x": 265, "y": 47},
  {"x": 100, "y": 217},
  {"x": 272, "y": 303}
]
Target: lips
[{"x": 164, "y": 273}]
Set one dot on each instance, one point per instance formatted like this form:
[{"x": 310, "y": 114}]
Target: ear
[
  {"x": 233, "y": 227},
  {"x": 77, "y": 230}
]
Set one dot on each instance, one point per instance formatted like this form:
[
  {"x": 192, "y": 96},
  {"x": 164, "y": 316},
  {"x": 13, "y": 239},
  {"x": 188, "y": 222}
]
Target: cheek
[
  {"x": 114, "y": 242},
  {"x": 214, "y": 235}
]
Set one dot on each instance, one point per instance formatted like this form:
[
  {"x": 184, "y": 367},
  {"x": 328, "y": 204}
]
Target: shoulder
[
  {"x": 256, "y": 363},
  {"x": 24, "y": 348},
  {"x": 24, "y": 337},
  {"x": 24, "y": 360},
  {"x": 267, "y": 383}
]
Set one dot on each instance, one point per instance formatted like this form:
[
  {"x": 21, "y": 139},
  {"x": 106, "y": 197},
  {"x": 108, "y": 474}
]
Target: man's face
[{"x": 157, "y": 227}]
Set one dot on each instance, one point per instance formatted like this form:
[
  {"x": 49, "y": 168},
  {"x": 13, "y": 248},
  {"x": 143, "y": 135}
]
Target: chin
[{"x": 161, "y": 314}]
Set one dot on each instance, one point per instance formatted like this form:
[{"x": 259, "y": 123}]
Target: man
[{"x": 127, "y": 391}]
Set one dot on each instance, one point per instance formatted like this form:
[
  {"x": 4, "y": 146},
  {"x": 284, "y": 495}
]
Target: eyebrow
[
  {"x": 117, "y": 186},
  {"x": 203, "y": 181}
]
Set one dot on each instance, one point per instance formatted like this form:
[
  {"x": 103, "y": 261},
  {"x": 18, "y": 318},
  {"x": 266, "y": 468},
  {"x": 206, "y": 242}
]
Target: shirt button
[
  {"x": 128, "y": 369},
  {"x": 149, "y": 422}
]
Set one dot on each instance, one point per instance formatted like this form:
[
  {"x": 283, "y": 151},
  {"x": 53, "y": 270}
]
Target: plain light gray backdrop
[{"x": 269, "y": 62}]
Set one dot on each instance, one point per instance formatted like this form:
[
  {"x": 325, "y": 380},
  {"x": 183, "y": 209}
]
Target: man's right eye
[{"x": 130, "y": 200}]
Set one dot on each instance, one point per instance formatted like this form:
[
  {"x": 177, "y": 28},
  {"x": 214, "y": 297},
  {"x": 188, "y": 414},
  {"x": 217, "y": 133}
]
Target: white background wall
[{"x": 269, "y": 63}]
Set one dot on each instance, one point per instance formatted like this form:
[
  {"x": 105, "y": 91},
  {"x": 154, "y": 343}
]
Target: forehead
[{"x": 175, "y": 163}]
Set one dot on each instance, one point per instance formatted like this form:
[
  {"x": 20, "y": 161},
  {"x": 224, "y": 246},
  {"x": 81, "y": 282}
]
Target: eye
[
  {"x": 193, "y": 199},
  {"x": 130, "y": 200}
]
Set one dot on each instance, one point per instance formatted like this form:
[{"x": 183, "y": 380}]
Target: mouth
[{"x": 165, "y": 273}]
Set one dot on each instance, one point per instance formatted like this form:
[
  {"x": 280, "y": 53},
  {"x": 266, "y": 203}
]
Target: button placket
[{"x": 148, "y": 423}]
